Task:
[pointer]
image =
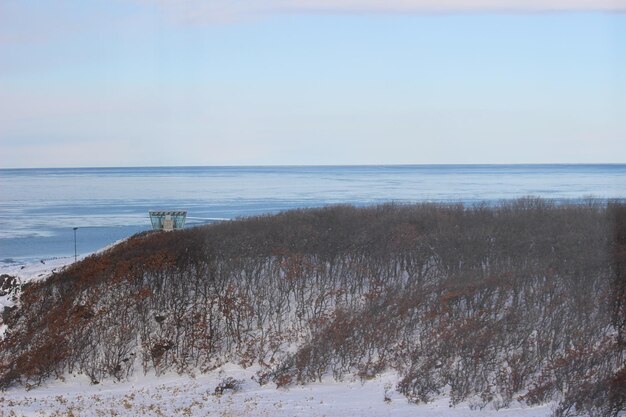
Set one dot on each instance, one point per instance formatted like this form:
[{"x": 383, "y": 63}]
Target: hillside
[{"x": 486, "y": 305}]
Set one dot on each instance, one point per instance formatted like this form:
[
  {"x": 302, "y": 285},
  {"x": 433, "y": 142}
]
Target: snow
[{"x": 171, "y": 395}]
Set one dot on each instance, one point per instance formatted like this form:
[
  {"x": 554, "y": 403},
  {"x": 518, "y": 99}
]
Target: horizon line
[{"x": 318, "y": 165}]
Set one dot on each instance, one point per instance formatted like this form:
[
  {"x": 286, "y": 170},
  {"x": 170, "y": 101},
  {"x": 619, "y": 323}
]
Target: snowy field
[{"x": 172, "y": 395}]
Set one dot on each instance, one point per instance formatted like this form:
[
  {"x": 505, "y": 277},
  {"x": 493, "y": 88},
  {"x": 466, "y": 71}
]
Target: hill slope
[{"x": 524, "y": 301}]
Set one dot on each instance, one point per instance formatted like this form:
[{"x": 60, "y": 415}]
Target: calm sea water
[{"x": 40, "y": 207}]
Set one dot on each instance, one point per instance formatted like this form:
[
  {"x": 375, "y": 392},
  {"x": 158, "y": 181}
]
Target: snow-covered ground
[{"x": 174, "y": 395}]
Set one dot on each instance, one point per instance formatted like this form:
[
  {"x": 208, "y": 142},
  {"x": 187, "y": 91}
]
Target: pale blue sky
[{"x": 125, "y": 83}]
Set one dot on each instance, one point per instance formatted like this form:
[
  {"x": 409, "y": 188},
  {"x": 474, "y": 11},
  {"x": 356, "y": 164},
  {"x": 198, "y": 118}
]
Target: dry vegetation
[{"x": 523, "y": 301}]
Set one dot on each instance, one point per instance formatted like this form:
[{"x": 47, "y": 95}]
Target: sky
[{"x": 304, "y": 82}]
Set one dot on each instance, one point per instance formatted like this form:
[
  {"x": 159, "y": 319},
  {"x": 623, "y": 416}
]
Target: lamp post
[{"x": 75, "y": 253}]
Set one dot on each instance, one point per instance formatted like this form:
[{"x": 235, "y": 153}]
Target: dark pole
[{"x": 75, "y": 254}]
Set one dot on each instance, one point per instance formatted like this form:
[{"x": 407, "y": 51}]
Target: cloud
[
  {"x": 229, "y": 10},
  {"x": 454, "y": 5}
]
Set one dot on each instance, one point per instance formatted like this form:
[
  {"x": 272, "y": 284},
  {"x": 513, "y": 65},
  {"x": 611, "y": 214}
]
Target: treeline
[{"x": 522, "y": 301}]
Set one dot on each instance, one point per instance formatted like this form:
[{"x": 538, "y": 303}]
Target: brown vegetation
[{"x": 526, "y": 300}]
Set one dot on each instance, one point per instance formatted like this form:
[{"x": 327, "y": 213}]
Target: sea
[{"x": 40, "y": 208}]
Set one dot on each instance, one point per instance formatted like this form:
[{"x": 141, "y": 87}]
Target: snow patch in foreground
[{"x": 172, "y": 395}]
